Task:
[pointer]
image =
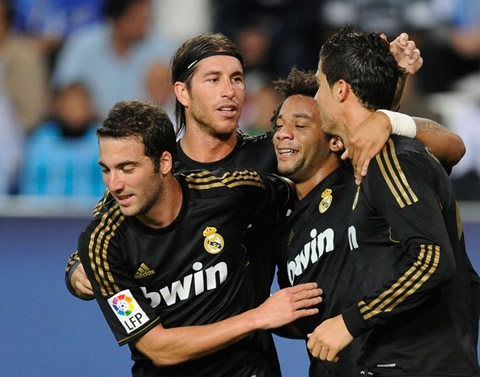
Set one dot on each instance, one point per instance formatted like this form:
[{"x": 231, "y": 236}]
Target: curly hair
[{"x": 297, "y": 83}]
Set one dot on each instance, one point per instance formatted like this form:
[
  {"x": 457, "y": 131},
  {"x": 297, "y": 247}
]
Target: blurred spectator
[
  {"x": 61, "y": 157},
  {"x": 111, "y": 58},
  {"x": 195, "y": 18},
  {"x": 159, "y": 87},
  {"x": 460, "y": 102},
  {"x": 260, "y": 101},
  {"x": 24, "y": 75},
  {"x": 11, "y": 146},
  {"x": 295, "y": 29},
  {"x": 388, "y": 16},
  {"x": 49, "y": 22}
]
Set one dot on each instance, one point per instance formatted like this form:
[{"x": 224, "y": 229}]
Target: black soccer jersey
[
  {"x": 250, "y": 152},
  {"x": 257, "y": 153},
  {"x": 416, "y": 279},
  {"x": 313, "y": 246},
  {"x": 194, "y": 271}
]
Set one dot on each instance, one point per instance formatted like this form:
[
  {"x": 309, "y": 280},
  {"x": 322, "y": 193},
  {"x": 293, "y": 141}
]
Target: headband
[{"x": 183, "y": 75}]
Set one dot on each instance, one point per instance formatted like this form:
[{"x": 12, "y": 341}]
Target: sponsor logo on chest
[
  {"x": 319, "y": 244},
  {"x": 193, "y": 284}
]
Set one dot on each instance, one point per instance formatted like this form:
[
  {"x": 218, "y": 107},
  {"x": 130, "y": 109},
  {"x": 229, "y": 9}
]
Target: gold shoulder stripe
[
  {"x": 74, "y": 258},
  {"x": 101, "y": 203},
  {"x": 394, "y": 176},
  {"x": 423, "y": 268},
  {"x": 206, "y": 180},
  {"x": 459, "y": 221},
  {"x": 98, "y": 247}
]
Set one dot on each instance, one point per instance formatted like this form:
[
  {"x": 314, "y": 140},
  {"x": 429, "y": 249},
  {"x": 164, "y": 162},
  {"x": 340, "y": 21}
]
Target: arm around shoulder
[{"x": 175, "y": 345}]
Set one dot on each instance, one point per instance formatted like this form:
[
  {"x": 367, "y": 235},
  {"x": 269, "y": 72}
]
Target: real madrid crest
[
  {"x": 213, "y": 241},
  {"x": 326, "y": 201}
]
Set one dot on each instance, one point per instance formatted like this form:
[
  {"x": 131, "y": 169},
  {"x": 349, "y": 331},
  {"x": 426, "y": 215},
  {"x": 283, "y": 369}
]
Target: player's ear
[
  {"x": 341, "y": 89},
  {"x": 166, "y": 163},
  {"x": 336, "y": 144},
  {"x": 181, "y": 92}
]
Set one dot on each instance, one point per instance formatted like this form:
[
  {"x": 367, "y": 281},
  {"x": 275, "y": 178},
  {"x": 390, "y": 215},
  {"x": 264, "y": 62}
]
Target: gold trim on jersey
[
  {"x": 423, "y": 268},
  {"x": 98, "y": 207},
  {"x": 394, "y": 176},
  {"x": 73, "y": 259},
  {"x": 98, "y": 247},
  {"x": 205, "y": 180},
  {"x": 459, "y": 220}
]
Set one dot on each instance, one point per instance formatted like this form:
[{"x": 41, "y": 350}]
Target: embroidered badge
[
  {"x": 326, "y": 201},
  {"x": 213, "y": 241}
]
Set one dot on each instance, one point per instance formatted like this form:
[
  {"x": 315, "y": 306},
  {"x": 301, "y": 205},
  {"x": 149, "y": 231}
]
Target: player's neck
[
  {"x": 203, "y": 147},
  {"x": 167, "y": 207},
  {"x": 327, "y": 168},
  {"x": 352, "y": 119}
]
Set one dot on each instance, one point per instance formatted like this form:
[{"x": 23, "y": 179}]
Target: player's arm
[
  {"x": 175, "y": 345},
  {"x": 417, "y": 224},
  {"x": 76, "y": 279},
  {"x": 408, "y": 57},
  {"x": 411, "y": 208},
  {"x": 370, "y": 137}
]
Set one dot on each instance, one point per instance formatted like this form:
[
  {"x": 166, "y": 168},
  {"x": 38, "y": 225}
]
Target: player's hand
[
  {"x": 366, "y": 141},
  {"x": 406, "y": 54},
  {"x": 328, "y": 339},
  {"x": 80, "y": 283},
  {"x": 287, "y": 305}
]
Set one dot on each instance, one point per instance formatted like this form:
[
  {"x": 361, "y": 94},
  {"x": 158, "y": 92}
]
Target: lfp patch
[{"x": 127, "y": 310}]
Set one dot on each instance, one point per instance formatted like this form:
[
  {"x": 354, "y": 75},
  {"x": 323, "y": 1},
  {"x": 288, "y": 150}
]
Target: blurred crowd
[{"x": 64, "y": 63}]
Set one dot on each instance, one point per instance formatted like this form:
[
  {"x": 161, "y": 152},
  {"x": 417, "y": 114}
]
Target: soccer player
[
  {"x": 312, "y": 243},
  {"x": 207, "y": 73},
  {"x": 417, "y": 304},
  {"x": 166, "y": 256}
]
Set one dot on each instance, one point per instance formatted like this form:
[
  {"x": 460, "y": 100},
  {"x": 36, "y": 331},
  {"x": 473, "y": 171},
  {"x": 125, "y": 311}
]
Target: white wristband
[{"x": 402, "y": 124}]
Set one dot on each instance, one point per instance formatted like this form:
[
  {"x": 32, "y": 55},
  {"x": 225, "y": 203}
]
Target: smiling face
[
  {"x": 215, "y": 98},
  {"x": 300, "y": 144},
  {"x": 130, "y": 175}
]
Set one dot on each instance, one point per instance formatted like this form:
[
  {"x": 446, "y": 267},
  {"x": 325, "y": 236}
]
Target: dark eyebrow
[
  {"x": 296, "y": 115},
  {"x": 121, "y": 165}
]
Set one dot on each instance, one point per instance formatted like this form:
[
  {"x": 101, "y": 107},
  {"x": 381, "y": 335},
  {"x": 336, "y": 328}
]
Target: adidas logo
[{"x": 143, "y": 271}]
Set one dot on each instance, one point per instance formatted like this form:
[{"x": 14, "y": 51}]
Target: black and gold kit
[
  {"x": 250, "y": 152},
  {"x": 313, "y": 246},
  {"x": 195, "y": 271},
  {"x": 419, "y": 302}
]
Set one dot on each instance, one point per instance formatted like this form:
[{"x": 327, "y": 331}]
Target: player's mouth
[
  {"x": 124, "y": 200},
  {"x": 228, "y": 110},
  {"x": 285, "y": 153}
]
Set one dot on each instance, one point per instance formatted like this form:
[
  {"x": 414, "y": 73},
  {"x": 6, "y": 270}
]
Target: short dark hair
[
  {"x": 145, "y": 120},
  {"x": 114, "y": 9},
  {"x": 365, "y": 62},
  {"x": 297, "y": 83},
  {"x": 188, "y": 53}
]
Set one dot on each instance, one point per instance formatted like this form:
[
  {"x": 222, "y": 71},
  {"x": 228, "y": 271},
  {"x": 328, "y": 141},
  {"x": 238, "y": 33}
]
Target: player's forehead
[
  {"x": 219, "y": 64},
  {"x": 115, "y": 150},
  {"x": 299, "y": 106}
]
